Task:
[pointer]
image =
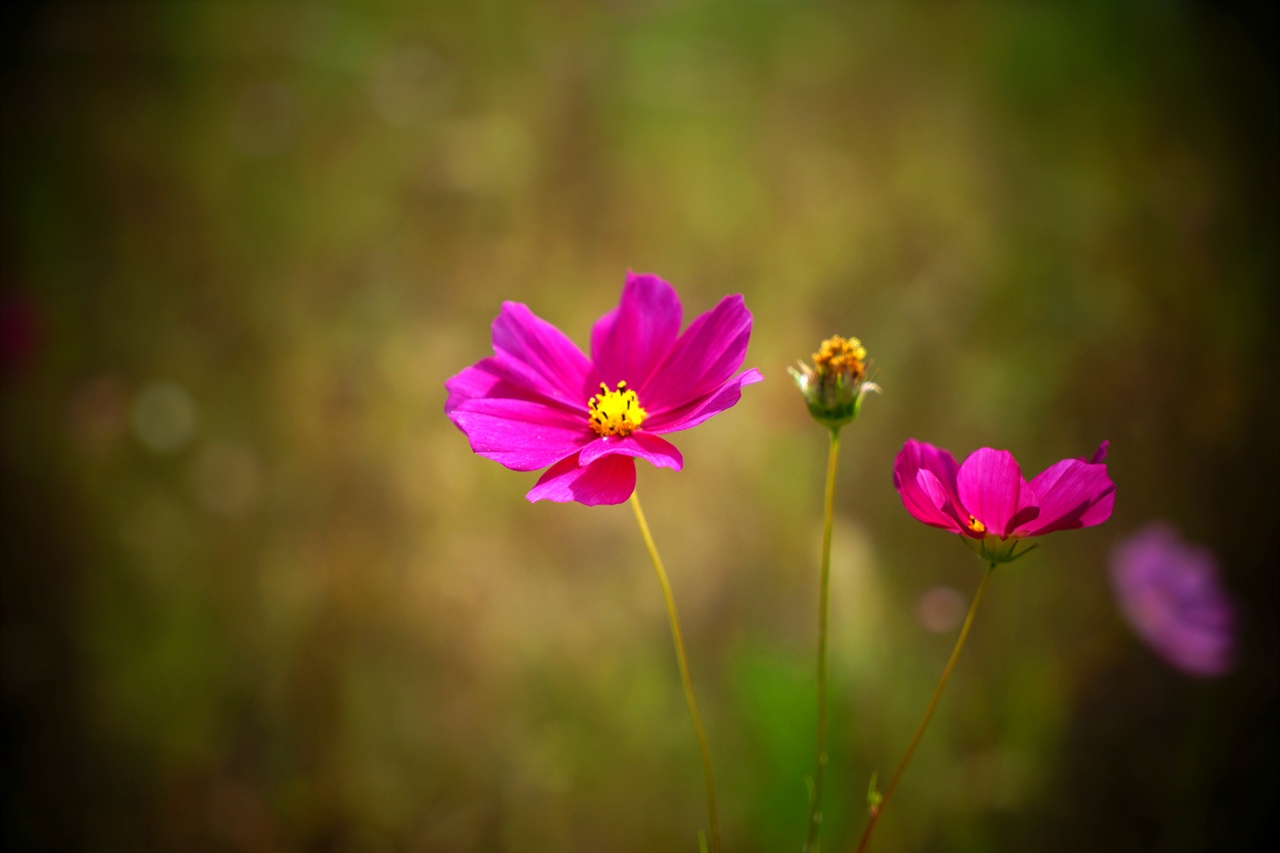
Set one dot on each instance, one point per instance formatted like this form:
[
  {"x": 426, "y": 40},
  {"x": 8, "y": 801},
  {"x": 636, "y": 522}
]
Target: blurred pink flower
[
  {"x": 986, "y": 499},
  {"x": 1169, "y": 592},
  {"x": 538, "y": 401}
]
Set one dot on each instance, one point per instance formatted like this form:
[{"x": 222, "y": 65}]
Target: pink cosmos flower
[
  {"x": 1169, "y": 592},
  {"x": 538, "y": 401},
  {"x": 987, "y": 501}
]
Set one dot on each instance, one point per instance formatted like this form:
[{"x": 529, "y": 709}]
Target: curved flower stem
[
  {"x": 828, "y": 513},
  {"x": 684, "y": 673},
  {"x": 878, "y": 809}
]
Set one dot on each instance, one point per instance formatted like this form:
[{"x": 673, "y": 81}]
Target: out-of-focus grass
[{"x": 258, "y": 594}]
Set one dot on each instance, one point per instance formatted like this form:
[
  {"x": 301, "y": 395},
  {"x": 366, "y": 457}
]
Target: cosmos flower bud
[{"x": 834, "y": 387}]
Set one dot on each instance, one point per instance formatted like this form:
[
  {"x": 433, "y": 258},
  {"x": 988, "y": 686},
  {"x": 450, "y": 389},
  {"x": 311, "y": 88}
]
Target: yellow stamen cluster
[
  {"x": 976, "y": 526},
  {"x": 615, "y": 412},
  {"x": 839, "y": 355}
]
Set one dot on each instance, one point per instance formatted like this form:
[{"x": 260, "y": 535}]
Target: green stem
[
  {"x": 684, "y": 673},
  {"x": 878, "y": 809},
  {"x": 824, "y": 585}
]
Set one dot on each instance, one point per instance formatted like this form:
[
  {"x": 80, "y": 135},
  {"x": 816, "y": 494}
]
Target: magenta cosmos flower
[
  {"x": 538, "y": 401},
  {"x": 987, "y": 501},
  {"x": 1169, "y": 592}
]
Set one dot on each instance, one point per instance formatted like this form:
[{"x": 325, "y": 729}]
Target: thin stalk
[
  {"x": 824, "y": 584},
  {"x": 878, "y": 809},
  {"x": 684, "y": 673}
]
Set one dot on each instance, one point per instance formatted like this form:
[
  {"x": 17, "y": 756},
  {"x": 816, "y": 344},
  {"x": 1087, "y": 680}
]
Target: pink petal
[
  {"x": 991, "y": 488},
  {"x": 523, "y": 435},
  {"x": 942, "y": 509},
  {"x": 925, "y": 497},
  {"x": 632, "y": 339},
  {"x": 481, "y": 379},
  {"x": 657, "y": 451},
  {"x": 490, "y": 378},
  {"x": 1071, "y": 493},
  {"x": 538, "y": 356},
  {"x": 699, "y": 410},
  {"x": 609, "y": 480},
  {"x": 702, "y": 360}
]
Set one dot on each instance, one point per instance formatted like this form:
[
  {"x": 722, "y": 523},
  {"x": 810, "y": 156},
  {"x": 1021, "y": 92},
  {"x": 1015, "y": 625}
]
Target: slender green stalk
[
  {"x": 684, "y": 673},
  {"x": 824, "y": 585},
  {"x": 878, "y": 809}
]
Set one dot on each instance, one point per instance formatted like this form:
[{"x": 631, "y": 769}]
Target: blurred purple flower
[
  {"x": 987, "y": 501},
  {"x": 1169, "y": 592},
  {"x": 538, "y": 401}
]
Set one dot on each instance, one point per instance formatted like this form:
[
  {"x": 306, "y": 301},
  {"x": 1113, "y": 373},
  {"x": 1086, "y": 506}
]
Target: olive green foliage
[{"x": 259, "y": 594}]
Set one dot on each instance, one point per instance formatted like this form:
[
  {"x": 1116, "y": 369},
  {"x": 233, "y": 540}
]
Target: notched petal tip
[
  {"x": 1072, "y": 493},
  {"x": 703, "y": 358},
  {"x": 535, "y": 354},
  {"x": 631, "y": 341},
  {"x": 646, "y": 279}
]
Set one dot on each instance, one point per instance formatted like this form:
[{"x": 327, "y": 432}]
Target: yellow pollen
[
  {"x": 840, "y": 355},
  {"x": 976, "y": 526},
  {"x": 615, "y": 412}
]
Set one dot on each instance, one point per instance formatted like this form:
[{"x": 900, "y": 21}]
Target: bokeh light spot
[
  {"x": 164, "y": 417},
  {"x": 940, "y": 609}
]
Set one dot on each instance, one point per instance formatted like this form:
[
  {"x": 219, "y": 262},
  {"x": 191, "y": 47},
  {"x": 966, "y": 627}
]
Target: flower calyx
[{"x": 995, "y": 551}]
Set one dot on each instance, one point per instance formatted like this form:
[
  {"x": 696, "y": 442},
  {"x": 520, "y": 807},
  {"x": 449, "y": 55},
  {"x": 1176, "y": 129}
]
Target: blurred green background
[{"x": 259, "y": 595}]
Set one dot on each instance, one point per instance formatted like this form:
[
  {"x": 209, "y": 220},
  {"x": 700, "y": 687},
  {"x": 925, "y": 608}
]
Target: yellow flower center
[
  {"x": 840, "y": 355},
  {"x": 615, "y": 412},
  {"x": 976, "y": 526}
]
